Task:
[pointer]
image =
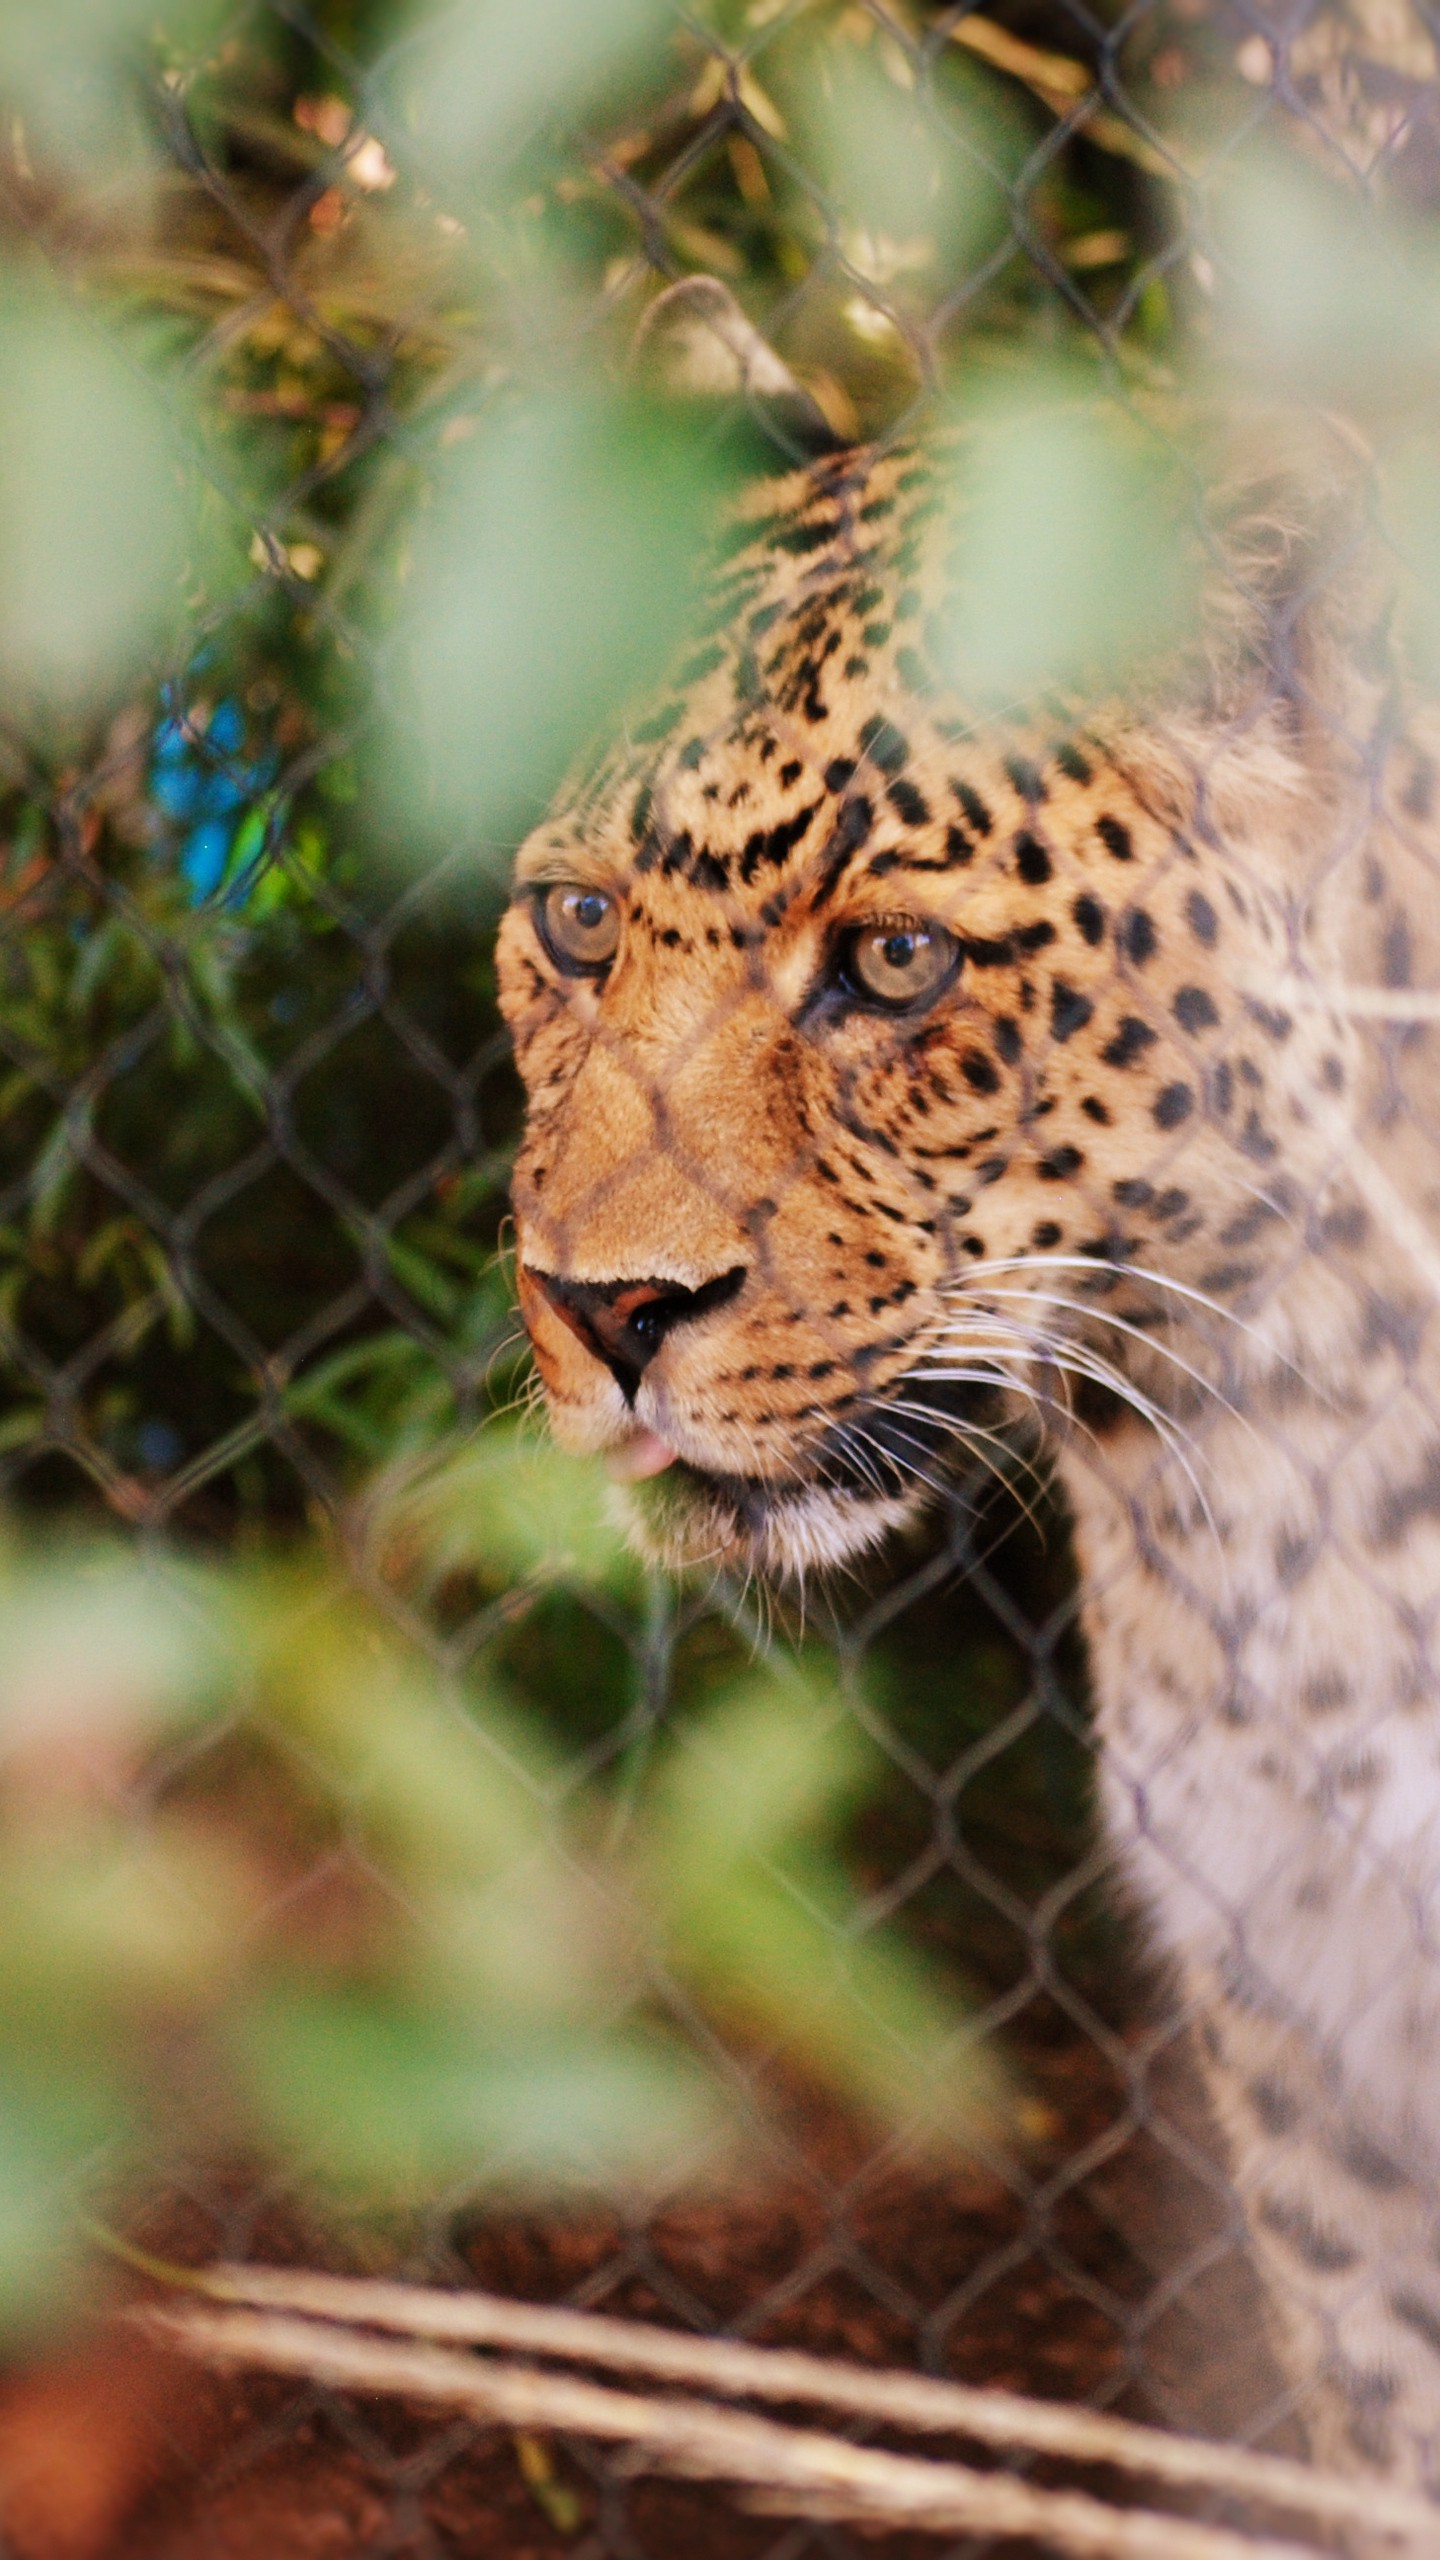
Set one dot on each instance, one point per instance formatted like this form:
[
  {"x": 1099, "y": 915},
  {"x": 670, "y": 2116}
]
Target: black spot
[
  {"x": 857, "y": 817},
  {"x": 1137, "y": 936},
  {"x": 909, "y": 804},
  {"x": 774, "y": 845},
  {"x": 1059, "y": 1166},
  {"x": 838, "y": 772},
  {"x": 1245, "y": 1228},
  {"x": 1007, "y": 1039},
  {"x": 703, "y": 664},
  {"x": 1296, "y": 2226},
  {"x": 1419, "y": 792},
  {"x": 978, "y": 1072},
  {"x": 875, "y": 634},
  {"x": 800, "y": 538},
  {"x": 1090, "y": 917},
  {"x": 973, "y": 807},
  {"x": 1222, "y": 1086},
  {"x": 1094, "y": 1109},
  {"x": 1027, "y": 779},
  {"x": 1395, "y": 962},
  {"x": 711, "y": 871},
  {"x": 1419, "y": 2316},
  {"x": 640, "y": 812},
  {"x": 1115, "y": 837},
  {"x": 1069, "y": 1010},
  {"x": 1277, "y": 2108},
  {"x": 1272, "y": 1020},
  {"x": 1133, "y": 1194},
  {"x": 1370, "y": 2166},
  {"x": 958, "y": 847},
  {"x": 1404, "y": 1504},
  {"x": 1035, "y": 937},
  {"x": 1173, "y": 1103},
  {"x": 1256, "y": 1141},
  {"x": 884, "y": 745},
  {"x": 1203, "y": 921},
  {"x": 987, "y": 955},
  {"x": 1071, "y": 762},
  {"x": 648, "y": 733},
  {"x": 789, "y": 773},
  {"x": 1032, "y": 861},
  {"x": 1132, "y": 1036},
  {"x": 1045, "y": 1235},
  {"x": 1194, "y": 1010}
]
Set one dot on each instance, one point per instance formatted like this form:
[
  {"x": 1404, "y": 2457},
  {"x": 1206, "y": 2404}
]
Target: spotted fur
[{"x": 1136, "y": 1175}]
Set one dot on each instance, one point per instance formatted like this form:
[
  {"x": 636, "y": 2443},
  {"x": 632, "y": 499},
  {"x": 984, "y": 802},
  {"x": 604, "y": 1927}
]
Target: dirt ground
[{"x": 1056, "y": 2290}]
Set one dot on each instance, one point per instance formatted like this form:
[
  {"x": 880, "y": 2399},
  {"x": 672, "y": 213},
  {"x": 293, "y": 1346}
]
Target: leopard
[{"x": 909, "y": 1079}]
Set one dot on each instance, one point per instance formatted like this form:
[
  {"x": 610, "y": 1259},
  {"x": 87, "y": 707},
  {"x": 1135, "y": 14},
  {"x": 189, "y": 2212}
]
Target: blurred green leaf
[
  {"x": 515, "y": 1508},
  {"x": 57, "y": 2121},
  {"x": 763, "y": 1920},
  {"x": 92, "y": 517},
  {"x": 476, "y": 81},
  {"x": 96, "y": 1656},
  {"x": 373, "y": 2096},
  {"x": 1321, "y": 298},
  {"x": 1068, "y": 563},
  {"x": 64, "y": 70},
  {"x": 917, "y": 177},
  {"x": 552, "y": 576},
  {"x": 439, "y": 1793}
]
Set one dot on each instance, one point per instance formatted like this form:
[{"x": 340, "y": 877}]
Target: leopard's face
[{"x": 870, "y": 1052}]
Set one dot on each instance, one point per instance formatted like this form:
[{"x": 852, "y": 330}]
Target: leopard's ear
[{"x": 1298, "y": 590}]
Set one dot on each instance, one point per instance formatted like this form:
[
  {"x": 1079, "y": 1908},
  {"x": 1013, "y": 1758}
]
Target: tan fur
[{"x": 1232, "y": 1186}]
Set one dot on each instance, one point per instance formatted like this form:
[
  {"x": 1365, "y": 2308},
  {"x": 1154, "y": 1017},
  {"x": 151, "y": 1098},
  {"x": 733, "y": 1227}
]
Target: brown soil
[{"x": 1045, "y": 2286}]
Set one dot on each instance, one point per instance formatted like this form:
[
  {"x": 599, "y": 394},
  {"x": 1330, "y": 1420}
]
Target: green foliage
[{"x": 271, "y": 1878}]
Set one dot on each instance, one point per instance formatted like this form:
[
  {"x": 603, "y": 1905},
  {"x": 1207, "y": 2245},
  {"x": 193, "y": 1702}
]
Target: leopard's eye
[
  {"x": 900, "y": 963},
  {"x": 581, "y": 926}
]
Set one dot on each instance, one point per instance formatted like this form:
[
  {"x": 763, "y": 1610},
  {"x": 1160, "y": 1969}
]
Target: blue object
[{"x": 202, "y": 781}]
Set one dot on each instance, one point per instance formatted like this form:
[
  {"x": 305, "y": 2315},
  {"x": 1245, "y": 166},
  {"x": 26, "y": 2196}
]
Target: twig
[
  {"x": 1065, "y": 87},
  {"x": 913, "y": 2401},
  {"x": 796, "y": 2471}
]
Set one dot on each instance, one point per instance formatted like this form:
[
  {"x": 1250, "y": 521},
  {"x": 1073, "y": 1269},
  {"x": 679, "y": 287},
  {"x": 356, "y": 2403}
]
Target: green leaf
[
  {"x": 517, "y": 1509},
  {"x": 92, "y": 523},
  {"x": 481, "y": 78},
  {"x": 551, "y": 578},
  {"x": 55, "y": 2126},
  {"x": 368, "y": 2095},
  {"x": 1069, "y": 564}
]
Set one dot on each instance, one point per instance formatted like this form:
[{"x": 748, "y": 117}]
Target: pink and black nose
[{"x": 624, "y": 1322}]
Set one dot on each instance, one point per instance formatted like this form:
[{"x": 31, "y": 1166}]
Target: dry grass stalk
[
  {"x": 791, "y": 2470},
  {"x": 915, "y": 2402}
]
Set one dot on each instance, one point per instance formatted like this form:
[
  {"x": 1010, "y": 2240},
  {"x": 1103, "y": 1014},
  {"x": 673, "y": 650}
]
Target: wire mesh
[{"x": 259, "y": 1115}]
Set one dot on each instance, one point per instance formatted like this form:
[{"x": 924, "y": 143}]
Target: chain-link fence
[{"x": 401, "y": 1874}]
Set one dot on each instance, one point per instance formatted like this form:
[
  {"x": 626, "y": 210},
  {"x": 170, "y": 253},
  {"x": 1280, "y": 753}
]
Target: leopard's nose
[{"x": 624, "y": 1322}]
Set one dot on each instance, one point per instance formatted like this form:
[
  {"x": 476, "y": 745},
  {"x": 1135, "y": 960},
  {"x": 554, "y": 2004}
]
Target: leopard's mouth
[{"x": 864, "y": 1479}]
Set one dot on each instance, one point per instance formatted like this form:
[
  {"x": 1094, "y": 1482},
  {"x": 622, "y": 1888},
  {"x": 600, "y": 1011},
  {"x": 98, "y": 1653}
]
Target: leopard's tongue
[{"x": 642, "y": 1456}]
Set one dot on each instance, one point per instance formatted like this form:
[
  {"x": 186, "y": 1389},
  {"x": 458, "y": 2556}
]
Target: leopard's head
[{"x": 892, "y": 1072}]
